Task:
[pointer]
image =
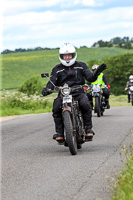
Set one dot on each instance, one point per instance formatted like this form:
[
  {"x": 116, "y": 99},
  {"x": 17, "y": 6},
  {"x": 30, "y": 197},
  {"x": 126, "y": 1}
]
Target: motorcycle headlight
[{"x": 66, "y": 91}]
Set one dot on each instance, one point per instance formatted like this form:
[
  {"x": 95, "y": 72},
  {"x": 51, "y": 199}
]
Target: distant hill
[{"x": 19, "y": 67}]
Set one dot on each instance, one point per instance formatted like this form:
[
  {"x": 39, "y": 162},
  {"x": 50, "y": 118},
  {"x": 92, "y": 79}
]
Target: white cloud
[
  {"x": 91, "y": 3},
  {"x": 86, "y": 17},
  {"x": 71, "y": 3},
  {"x": 12, "y": 7},
  {"x": 84, "y": 27}
]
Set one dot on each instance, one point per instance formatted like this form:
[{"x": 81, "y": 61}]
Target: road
[{"x": 34, "y": 167}]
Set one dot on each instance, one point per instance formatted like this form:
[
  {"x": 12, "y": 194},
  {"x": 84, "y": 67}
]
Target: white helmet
[
  {"x": 131, "y": 78},
  {"x": 67, "y": 48},
  {"x": 94, "y": 67}
]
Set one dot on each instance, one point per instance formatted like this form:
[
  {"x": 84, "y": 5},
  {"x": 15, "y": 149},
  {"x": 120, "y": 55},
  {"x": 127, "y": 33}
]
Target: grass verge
[
  {"x": 119, "y": 100},
  {"x": 123, "y": 186}
]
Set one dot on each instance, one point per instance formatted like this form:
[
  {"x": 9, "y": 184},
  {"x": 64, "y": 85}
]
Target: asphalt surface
[{"x": 34, "y": 167}]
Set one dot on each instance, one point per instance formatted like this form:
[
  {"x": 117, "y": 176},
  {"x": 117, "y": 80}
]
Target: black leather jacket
[
  {"x": 129, "y": 84},
  {"x": 73, "y": 75}
]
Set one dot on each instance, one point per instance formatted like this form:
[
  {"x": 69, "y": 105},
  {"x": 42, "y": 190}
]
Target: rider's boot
[
  {"x": 59, "y": 137},
  {"x": 89, "y": 134}
]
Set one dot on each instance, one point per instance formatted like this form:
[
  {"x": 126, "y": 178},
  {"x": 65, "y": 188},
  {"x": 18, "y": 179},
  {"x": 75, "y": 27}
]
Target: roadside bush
[
  {"x": 92, "y": 62},
  {"x": 11, "y": 102},
  {"x": 31, "y": 86}
]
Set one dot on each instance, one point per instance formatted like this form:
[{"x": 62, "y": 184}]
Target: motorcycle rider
[
  {"x": 73, "y": 73},
  {"x": 103, "y": 81},
  {"x": 129, "y": 84}
]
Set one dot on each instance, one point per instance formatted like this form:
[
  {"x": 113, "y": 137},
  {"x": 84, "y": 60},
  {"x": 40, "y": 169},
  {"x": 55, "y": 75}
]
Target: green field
[{"x": 16, "y": 68}]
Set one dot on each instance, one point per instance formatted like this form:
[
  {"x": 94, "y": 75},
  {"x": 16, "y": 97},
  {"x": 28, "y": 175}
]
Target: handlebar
[
  {"x": 90, "y": 86},
  {"x": 59, "y": 88}
]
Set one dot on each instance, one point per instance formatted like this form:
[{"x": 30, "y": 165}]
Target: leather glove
[
  {"x": 98, "y": 71},
  {"x": 45, "y": 92}
]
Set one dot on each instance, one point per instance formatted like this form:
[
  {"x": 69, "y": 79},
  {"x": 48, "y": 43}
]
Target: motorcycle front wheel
[
  {"x": 102, "y": 106},
  {"x": 70, "y": 136},
  {"x": 97, "y": 106}
]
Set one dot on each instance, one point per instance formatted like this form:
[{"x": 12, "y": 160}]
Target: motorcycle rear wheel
[
  {"x": 132, "y": 99},
  {"x": 70, "y": 136}
]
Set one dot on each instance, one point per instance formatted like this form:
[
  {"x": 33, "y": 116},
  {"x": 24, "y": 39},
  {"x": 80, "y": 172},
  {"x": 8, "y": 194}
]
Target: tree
[
  {"x": 119, "y": 68},
  {"x": 101, "y": 43},
  {"x": 6, "y": 51},
  {"x": 126, "y": 39},
  {"x": 127, "y": 45},
  {"x": 109, "y": 44},
  {"x": 116, "y": 40}
]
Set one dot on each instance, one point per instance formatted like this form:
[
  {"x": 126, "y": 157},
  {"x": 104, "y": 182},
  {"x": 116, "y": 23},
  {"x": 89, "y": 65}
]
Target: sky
[{"x": 50, "y": 23}]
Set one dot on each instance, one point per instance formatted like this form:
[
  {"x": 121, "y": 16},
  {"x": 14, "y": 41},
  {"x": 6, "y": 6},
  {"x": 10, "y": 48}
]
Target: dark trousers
[
  {"x": 128, "y": 97},
  {"x": 106, "y": 93},
  {"x": 84, "y": 105}
]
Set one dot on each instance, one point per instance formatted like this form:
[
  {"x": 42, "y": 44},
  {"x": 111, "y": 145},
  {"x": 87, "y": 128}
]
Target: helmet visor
[{"x": 69, "y": 55}]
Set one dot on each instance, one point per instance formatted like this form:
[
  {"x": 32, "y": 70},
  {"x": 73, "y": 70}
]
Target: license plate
[{"x": 67, "y": 99}]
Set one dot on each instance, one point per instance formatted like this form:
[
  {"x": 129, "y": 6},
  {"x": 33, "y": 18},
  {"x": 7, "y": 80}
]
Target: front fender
[{"x": 68, "y": 108}]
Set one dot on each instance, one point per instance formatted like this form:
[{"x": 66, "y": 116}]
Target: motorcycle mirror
[{"x": 44, "y": 75}]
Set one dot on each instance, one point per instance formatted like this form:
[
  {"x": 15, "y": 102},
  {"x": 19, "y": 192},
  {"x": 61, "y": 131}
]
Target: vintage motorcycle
[
  {"x": 131, "y": 94},
  {"x": 74, "y": 130},
  {"x": 99, "y": 102}
]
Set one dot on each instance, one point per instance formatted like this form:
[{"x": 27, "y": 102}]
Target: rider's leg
[
  {"x": 106, "y": 95},
  {"x": 57, "y": 115},
  {"x": 128, "y": 98},
  {"x": 89, "y": 95}
]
